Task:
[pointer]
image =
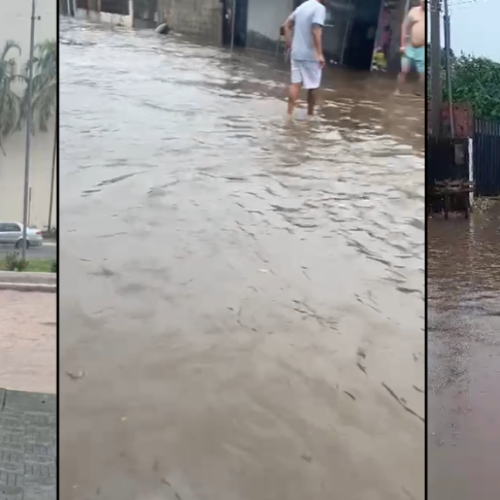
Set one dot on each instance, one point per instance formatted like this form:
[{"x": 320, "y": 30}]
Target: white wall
[
  {"x": 15, "y": 25},
  {"x": 107, "y": 17},
  {"x": 12, "y": 167},
  {"x": 265, "y": 17}
]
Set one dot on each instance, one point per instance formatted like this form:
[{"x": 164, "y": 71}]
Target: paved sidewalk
[
  {"x": 28, "y": 341},
  {"x": 27, "y": 446}
]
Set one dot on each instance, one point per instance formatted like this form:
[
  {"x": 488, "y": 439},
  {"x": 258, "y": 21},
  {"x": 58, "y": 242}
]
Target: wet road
[
  {"x": 47, "y": 251},
  {"x": 243, "y": 295},
  {"x": 464, "y": 353}
]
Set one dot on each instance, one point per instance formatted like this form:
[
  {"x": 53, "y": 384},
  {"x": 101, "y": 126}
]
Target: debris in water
[
  {"x": 361, "y": 367},
  {"x": 350, "y": 395},
  {"x": 402, "y": 402},
  {"x": 75, "y": 375},
  {"x": 124, "y": 419},
  {"x": 306, "y": 457},
  {"x": 418, "y": 389},
  {"x": 361, "y": 353}
]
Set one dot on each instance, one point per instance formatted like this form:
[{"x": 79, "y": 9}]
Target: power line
[{"x": 466, "y": 3}]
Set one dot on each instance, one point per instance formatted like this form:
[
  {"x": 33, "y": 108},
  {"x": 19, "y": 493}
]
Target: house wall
[
  {"x": 264, "y": 21},
  {"x": 108, "y": 17},
  {"x": 15, "y": 25},
  {"x": 201, "y": 18}
]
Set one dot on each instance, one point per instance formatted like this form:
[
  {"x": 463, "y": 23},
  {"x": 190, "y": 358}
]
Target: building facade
[
  {"x": 361, "y": 34},
  {"x": 200, "y": 18},
  {"x": 15, "y": 19},
  {"x": 117, "y": 12}
]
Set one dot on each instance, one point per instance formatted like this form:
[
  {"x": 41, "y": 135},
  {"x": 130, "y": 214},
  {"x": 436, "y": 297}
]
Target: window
[
  {"x": 328, "y": 17},
  {"x": 11, "y": 228}
]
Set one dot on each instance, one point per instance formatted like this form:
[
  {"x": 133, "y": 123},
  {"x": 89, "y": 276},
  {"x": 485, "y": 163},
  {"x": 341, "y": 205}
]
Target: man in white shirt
[{"x": 306, "y": 56}]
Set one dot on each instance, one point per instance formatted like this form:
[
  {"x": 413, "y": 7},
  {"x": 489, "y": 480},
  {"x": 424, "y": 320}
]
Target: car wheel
[{"x": 19, "y": 244}]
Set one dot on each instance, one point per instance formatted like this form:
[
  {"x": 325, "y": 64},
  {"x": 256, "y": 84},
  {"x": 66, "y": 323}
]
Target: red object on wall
[{"x": 464, "y": 120}]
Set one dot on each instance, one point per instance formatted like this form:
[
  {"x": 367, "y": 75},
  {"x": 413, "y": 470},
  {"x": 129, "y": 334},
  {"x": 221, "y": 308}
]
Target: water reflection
[
  {"x": 464, "y": 349},
  {"x": 245, "y": 295}
]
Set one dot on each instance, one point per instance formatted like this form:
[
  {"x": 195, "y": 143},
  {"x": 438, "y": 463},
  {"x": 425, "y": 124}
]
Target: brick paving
[{"x": 27, "y": 446}]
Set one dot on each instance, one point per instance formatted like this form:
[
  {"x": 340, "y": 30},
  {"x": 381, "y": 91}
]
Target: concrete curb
[
  {"x": 28, "y": 282},
  {"x": 28, "y": 287},
  {"x": 33, "y": 278}
]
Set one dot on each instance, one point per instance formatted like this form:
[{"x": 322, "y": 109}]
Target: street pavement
[
  {"x": 27, "y": 446},
  {"x": 47, "y": 251},
  {"x": 244, "y": 294}
]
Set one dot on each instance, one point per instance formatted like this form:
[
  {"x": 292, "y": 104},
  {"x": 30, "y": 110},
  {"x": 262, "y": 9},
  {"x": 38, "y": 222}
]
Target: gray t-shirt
[{"x": 304, "y": 18}]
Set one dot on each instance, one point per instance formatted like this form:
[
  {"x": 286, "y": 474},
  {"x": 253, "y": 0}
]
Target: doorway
[
  {"x": 240, "y": 22},
  {"x": 360, "y": 41}
]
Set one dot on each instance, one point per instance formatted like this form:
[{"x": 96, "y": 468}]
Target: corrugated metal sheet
[{"x": 487, "y": 157}]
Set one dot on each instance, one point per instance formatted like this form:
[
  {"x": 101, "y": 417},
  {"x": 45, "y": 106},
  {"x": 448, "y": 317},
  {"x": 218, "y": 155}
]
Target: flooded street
[
  {"x": 463, "y": 356},
  {"x": 243, "y": 296}
]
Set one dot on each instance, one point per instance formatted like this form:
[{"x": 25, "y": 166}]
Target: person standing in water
[
  {"x": 413, "y": 48},
  {"x": 307, "y": 60}
]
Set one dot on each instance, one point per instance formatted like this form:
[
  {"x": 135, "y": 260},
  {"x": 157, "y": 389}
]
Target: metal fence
[
  {"x": 487, "y": 157},
  {"x": 120, "y": 7},
  {"x": 446, "y": 159}
]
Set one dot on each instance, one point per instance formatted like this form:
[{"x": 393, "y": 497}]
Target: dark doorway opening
[
  {"x": 240, "y": 22},
  {"x": 360, "y": 41},
  {"x": 120, "y": 7},
  {"x": 146, "y": 13}
]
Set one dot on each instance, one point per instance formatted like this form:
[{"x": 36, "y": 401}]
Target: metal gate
[
  {"x": 487, "y": 157},
  {"x": 446, "y": 159}
]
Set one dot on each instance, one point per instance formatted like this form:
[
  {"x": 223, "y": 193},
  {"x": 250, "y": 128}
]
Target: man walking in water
[
  {"x": 413, "y": 44},
  {"x": 306, "y": 51}
]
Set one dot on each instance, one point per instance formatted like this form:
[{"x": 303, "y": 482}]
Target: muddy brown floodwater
[
  {"x": 464, "y": 357},
  {"x": 243, "y": 295}
]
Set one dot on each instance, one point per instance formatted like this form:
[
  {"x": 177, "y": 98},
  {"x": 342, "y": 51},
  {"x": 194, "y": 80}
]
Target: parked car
[{"x": 11, "y": 233}]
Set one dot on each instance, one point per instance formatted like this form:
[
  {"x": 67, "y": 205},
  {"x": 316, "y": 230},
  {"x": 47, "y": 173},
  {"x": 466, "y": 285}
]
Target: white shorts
[{"x": 308, "y": 73}]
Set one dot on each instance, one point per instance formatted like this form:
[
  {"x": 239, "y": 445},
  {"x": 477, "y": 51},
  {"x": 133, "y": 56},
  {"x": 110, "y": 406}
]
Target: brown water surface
[
  {"x": 244, "y": 295},
  {"x": 464, "y": 357}
]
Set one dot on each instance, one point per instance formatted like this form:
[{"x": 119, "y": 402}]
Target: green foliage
[
  {"x": 10, "y": 102},
  {"x": 13, "y": 262},
  {"x": 44, "y": 98},
  {"x": 476, "y": 80},
  {"x": 53, "y": 266},
  {"x": 13, "y": 86}
]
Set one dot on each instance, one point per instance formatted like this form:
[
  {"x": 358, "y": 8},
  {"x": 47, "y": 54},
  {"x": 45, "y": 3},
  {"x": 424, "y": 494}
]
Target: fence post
[{"x": 471, "y": 168}]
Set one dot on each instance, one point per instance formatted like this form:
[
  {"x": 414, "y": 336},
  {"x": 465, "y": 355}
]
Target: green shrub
[
  {"x": 53, "y": 266},
  {"x": 14, "y": 263}
]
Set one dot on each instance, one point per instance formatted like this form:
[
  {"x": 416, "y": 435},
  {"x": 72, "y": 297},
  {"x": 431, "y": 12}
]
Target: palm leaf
[
  {"x": 10, "y": 102},
  {"x": 44, "y": 94}
]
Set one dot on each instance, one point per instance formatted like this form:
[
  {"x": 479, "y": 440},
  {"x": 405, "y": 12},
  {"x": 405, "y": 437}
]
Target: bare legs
[
  {"x": 401, "y": 81},
  {"x": 293, "y": 95},
  {"x": 311, "y": 102}
]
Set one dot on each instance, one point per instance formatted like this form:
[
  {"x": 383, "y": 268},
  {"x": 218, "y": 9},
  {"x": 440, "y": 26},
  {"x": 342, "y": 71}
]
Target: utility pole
[
  {"x": 447, "y": 51},
  {"x": 436, "y": 101},
  {"x": 29, "y": 120},
  {"x": 233, "y": 21}
]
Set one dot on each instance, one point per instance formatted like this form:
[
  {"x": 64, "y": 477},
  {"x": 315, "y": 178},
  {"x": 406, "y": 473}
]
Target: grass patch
[
  {"x": 14, "y": 263},
  {"x": 39, "y": 266}
]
